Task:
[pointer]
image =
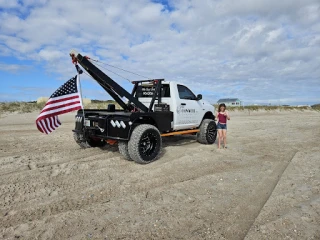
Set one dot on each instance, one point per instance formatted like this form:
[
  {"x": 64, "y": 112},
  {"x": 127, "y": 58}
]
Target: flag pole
[{"x": 79, "y": 71}]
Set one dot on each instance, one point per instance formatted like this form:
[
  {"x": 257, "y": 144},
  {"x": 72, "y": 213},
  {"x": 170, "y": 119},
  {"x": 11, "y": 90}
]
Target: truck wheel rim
[
  {"x": 148, "y": 144},
  {"x": 212, "y": 132}
]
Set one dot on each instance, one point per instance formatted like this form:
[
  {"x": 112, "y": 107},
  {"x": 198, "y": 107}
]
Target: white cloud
[
  {"x": 9, "y": 4},
  {"x": 50, "y": 55},
  {"x": 224, "y": 47},
  {"x": 274, "y": 35},
  {"x": 13, "y": 67}
]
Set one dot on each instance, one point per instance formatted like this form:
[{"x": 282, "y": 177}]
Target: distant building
[
  {"x": 304, "y": 106},
  {"x": 233, "y": 102}
]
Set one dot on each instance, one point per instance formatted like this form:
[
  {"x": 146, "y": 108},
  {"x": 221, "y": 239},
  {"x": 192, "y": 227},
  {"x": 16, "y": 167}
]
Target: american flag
[{"x": 65, "y": 99}]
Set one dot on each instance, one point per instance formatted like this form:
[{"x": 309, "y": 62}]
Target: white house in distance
[{"x": 233, "y": 102}]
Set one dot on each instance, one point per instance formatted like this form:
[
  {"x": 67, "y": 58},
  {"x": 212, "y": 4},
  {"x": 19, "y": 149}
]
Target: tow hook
[{"x": 101, "y": 129}]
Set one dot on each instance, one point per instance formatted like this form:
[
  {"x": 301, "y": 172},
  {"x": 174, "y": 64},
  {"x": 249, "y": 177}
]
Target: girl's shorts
[{"x": 222, "y": 126}]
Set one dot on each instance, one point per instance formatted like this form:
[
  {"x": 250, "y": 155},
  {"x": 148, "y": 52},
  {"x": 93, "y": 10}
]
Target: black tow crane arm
[{"x": 112, "y": 88}]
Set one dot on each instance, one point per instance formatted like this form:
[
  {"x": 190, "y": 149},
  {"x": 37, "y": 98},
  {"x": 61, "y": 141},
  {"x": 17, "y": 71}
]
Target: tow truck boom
[{"x": 114, "y": 89}]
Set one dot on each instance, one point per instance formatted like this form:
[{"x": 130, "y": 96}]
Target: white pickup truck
[{"x": 153, "y": 110}]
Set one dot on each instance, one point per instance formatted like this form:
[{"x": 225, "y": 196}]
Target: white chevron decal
[
  {"x": 118, "y": 124},
  {"x": 113, "y": 123},
  {"x": 123, "y": 125}
]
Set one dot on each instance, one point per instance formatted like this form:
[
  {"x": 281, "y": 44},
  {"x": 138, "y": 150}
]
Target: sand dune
[{"x": 266, "y": 185}]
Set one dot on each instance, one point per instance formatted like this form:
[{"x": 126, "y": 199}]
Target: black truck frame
[{"x": 136, "y": 128}]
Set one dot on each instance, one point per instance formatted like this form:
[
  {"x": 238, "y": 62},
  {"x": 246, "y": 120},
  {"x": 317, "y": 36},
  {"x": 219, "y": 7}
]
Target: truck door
[{"x": 189, "y": 112}]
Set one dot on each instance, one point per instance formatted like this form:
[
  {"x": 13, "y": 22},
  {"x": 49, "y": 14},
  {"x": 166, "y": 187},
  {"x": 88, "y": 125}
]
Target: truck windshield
[{"x": 148, "y": 91}]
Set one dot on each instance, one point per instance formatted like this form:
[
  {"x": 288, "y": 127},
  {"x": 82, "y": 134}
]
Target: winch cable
[
  {"x": 111, "y": 71},
  {"x": 120, "y": 69},
  {"x": 102, "y": 83}
]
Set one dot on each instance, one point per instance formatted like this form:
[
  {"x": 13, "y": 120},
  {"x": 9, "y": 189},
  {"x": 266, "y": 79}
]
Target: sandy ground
[{"x": 266, "y": 185}]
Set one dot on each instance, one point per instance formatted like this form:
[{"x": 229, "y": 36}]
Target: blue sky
[{"x": 259, "y": 51}]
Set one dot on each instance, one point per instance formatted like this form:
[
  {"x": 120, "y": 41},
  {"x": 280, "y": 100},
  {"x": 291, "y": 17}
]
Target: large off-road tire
[
  {"x": 145, "y": 144},
  {"x": 123, "y": 149},
  {"x": 208, "y": 132},
  {"x": 88, "y": 143},
  {"x": 80, "y": 140}
]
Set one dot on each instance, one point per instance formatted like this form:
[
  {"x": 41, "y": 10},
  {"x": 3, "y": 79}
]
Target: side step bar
[{"x": 180, "y": 132}]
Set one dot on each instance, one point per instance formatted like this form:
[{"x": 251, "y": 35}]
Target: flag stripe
[
  {"x": 44, "y": 126},
  {"x": 63, "y": 105},
  {"x": 60, "y": 110},
  {"x": 44, "y": 121},
  {"x": 55, "y": 122},
  {"x": 60, "y": 104},
  {"x": 52, "y": 124},
  {"x": 48, "y": 124},
  {"x": 62, "y": 99},
  {"x": 39, "y": 127}
]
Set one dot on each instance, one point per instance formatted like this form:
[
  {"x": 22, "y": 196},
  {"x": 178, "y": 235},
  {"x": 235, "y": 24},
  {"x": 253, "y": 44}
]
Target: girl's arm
[{"x": 228, "y": 116}]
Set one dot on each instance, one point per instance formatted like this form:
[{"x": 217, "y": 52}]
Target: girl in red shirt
[{"x": 222, "y": 116}]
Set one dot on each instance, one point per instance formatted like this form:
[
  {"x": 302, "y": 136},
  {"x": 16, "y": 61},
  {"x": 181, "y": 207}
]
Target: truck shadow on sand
[
  {"x": 178, "y": 140},
  {"x": 166, "y": 142}
]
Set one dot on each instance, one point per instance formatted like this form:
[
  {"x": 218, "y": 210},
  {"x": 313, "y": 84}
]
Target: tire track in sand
[{"x": 110, "y": 191}]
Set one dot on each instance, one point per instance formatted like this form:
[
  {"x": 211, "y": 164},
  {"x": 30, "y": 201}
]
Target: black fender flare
[{"x": 208, "y": 115}]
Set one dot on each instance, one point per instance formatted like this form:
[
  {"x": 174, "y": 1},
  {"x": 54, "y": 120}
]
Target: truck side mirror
[{"x": 199, "y": 97}]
